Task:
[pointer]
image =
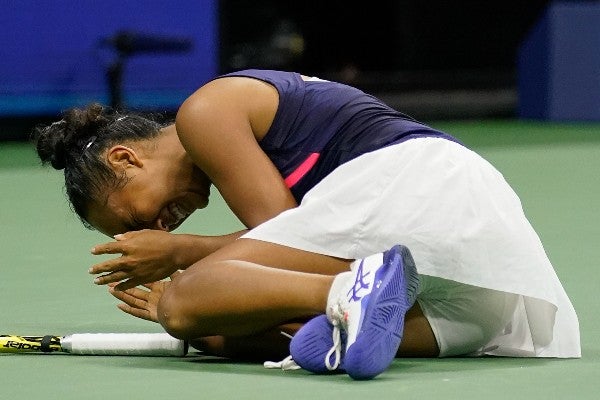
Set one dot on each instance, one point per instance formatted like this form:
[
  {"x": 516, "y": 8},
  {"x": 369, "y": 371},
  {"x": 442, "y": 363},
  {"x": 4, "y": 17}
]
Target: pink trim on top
[{"x": 302, "y": 170}]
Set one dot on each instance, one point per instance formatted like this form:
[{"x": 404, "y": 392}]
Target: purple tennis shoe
[{"x": 363, "y": 327}]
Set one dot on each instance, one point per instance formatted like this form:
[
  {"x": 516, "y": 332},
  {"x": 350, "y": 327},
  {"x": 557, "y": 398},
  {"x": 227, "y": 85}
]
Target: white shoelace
[
  {"x": 287, "y": 364},
  {"x": 339, "y": 319},
  {"x": 335, "y": 349}
]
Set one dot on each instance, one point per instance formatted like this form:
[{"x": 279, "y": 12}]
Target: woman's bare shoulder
[{"x": 241, "y": 99}]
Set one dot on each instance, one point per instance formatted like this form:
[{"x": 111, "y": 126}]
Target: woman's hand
[
  {"x": 146, "y": 256},
  {"x": 151, "y": 255},
  {"x": 140, "y": 302}
]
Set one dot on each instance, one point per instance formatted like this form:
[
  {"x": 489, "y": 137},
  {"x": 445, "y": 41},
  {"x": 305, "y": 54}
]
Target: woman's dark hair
[{"x": 75, "y": 143}]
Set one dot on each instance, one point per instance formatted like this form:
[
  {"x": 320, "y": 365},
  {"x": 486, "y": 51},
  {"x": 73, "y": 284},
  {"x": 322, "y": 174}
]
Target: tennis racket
[{"x": 118, "y": 344}]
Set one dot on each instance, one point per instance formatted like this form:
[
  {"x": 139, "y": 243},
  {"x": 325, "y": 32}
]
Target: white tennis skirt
[{"x": 461, "y": 222}]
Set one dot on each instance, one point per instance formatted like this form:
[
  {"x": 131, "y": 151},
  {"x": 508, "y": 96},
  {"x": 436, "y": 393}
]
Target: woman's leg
[
  {"x": 253, "y": 286},
  {"x": 272, "y": 344},
  {"x": 418, "y": 339},
  {"x": 247, "y": 287},
  {"x": 278, "y": 256},
  {"x": 237, "y": 298}
]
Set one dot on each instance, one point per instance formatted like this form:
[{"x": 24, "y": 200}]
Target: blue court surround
[
  {"x": 52, "y": 58},
  {"x": 559, "y": 64}
]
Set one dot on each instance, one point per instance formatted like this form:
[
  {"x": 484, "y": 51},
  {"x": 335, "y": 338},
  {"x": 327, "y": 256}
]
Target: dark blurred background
[
  {"x": 379, "y": 37},
  {"x": 431, "y": 59}
]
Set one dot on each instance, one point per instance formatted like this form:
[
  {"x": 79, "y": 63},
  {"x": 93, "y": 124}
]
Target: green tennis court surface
[{"x": 45, "y": 289}]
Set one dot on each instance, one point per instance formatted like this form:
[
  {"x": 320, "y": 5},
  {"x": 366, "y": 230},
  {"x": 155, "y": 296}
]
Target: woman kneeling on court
[{"x": 374, "y": 234}]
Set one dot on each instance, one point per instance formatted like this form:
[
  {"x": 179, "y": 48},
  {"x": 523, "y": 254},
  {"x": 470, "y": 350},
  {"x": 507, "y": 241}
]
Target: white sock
[{"x": 339, "y": 283}]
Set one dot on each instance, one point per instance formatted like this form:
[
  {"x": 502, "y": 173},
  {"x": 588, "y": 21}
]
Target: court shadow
[{"x": 397, "y": 370}]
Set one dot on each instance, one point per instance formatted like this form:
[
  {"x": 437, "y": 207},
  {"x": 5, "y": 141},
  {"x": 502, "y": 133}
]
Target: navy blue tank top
[{"x": 320, "y": 125}]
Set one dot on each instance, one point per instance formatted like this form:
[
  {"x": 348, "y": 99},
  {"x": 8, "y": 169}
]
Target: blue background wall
[
  {"x": 51, "y": 58},
  {"x": 559, "y": 64}
]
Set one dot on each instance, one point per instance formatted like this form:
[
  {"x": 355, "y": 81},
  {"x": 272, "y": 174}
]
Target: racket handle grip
[{"x": 124, "y": 344}]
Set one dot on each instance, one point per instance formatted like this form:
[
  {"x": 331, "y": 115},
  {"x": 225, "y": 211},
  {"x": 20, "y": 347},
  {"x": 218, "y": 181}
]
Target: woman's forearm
[{"x": 192, "y": 248}]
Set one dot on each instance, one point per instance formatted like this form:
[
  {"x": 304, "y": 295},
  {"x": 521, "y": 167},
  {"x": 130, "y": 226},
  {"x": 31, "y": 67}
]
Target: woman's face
[{"x": 163, "y": 188}]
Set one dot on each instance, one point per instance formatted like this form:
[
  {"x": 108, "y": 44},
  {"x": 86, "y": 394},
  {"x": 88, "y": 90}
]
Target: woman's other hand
[{"x": 146, "y": 256}]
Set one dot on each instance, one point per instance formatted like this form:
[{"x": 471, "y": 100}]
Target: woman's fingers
[
  {"x": 108, "y": 266},
  {"x": 108, "y": 248},
  {"x": 136, "y": 312},
  {"x": 135, "y": 302},
  {"x": 135, "y": 297},
  {"x": 175, "y": 274},
  {"x": 129, "y": 284},
  {"x": 116, "y": 276}
]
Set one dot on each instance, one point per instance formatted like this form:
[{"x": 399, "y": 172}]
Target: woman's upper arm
[{"x": 218, "y": 126}]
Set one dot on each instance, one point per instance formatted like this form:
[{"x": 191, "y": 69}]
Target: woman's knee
[
  {"x": 171, "y": 313},
  {"x": 185, "y": 302}
]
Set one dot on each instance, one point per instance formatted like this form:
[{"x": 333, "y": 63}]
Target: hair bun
[
  {"x": 50, "y": 144},
  {"x": 64, "y": 140}
]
